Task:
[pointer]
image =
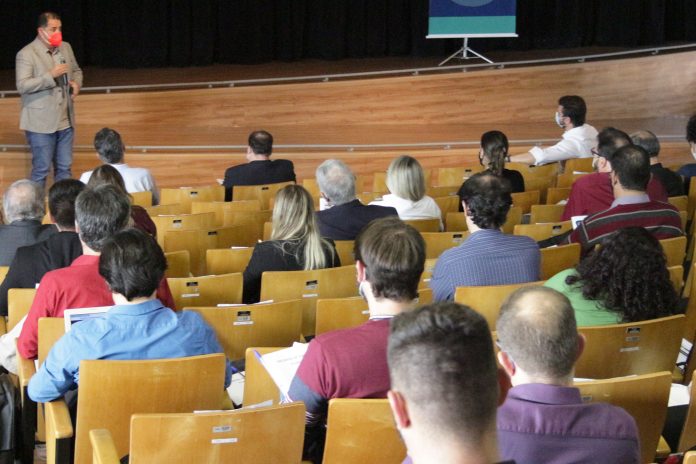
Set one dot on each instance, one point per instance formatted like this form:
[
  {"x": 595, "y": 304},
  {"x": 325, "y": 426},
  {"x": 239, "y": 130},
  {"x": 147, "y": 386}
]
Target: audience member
[
  {"x": 100, "y": 213},
  {"x": 689, "y": 170},
  {"x": 110, "y": 150},
  {"x": 24, "y": 209},
  {"x": 346, "y": 216},
  {"x": 487, "y": 256},
  {"x": 594, "y": 193},
  {"x": 670, "y": 180},
  {"x": 578, "y": 137},
  {"x": 352, "y": 363},
  {"x": 445, "y": 385},
  {"x": 108, "y": 175},
  {"x": 139, "y": 326},
  {"x": 493, "y": 155},
  {"x": 59, "y": 250},
  {"x": 631, "y": 206},
  {"x": 406, "y": 184},
  {"x": 260, "y": 169},
  {"x": 543, "y": 419},
  {"x": 295, "y": 242}
]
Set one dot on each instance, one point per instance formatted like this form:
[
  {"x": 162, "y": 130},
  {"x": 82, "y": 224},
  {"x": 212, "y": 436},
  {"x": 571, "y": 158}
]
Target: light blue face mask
[{"x": 558, "y": 119}]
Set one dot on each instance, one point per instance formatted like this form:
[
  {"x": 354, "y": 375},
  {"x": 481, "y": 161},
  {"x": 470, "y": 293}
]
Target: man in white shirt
[
  {"x": 578, "y": 139},
  {"x": 110, "y": 150}
]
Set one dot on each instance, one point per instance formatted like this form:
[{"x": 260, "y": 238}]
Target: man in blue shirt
[
  {"x": 137, "y": 327},
  {"x": 487, "y": 256}
]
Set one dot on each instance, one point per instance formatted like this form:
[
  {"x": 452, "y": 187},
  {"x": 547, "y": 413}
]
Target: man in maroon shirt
[{"x": 99, "y": 213}]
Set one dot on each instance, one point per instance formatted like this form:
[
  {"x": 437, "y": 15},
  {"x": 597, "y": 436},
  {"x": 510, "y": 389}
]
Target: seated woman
[
  {"x": 295, "y": 242},
  {"x": 107, "y": 174},
  {"x": 625, "y": 280},
  {"x": 406, "y": 182},
  {"x": 493, "y": 155}
]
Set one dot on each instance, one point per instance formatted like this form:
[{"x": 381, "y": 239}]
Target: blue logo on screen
[{"x": 472, "y": 3}]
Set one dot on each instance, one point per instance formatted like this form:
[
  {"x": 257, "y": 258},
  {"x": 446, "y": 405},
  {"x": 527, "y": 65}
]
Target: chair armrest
[
  {"x": 103, "y": 447},
  {"x": 59, "y": 431},
  {"x": 25, "y": 371},
  {"x": 3, "y": 325}
]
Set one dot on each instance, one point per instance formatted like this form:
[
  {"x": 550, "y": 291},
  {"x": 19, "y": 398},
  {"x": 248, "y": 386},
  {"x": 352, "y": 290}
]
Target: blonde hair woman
[
  {"x": 295, "y": 242},
  {"x": 406, "y": 182}
]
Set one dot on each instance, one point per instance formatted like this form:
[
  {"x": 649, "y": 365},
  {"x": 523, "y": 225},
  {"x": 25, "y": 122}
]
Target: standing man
[{"x": 48, "y": 79}]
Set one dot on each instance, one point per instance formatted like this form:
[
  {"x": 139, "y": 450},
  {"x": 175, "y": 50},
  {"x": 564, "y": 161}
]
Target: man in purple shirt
[{"x": 543, "y": 419}]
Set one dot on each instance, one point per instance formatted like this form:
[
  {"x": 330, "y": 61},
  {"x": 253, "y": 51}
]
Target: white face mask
[{"x": 558, "y": 119}]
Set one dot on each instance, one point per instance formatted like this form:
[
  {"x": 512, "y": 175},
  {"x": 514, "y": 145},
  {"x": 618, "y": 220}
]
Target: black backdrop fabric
[{"x": 155, "y": 33}]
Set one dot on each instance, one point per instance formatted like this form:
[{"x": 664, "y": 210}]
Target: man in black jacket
[{"x": 672, "y": 182}]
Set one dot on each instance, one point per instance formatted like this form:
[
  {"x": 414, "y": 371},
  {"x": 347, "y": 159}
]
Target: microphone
[{"x": 63, "y": 79}]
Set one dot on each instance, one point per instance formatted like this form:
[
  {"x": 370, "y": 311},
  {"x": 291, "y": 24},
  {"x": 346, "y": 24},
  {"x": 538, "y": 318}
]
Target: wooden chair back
[
  {"x": 239, "y": 327},
  {"x": 178, "y": 264},
  {"x": 687, "y": 439},
  {"x": 525, "y": 200},
  {"x": 50, "y": 331},
  {"x": 267, "y": 231},
  {"x": 262, "y": 193},
  {"x": 166, "y": 210},
  {"x": 427, "y": 275},
  {"x": 310, "y": 184},
  {"x": 367, "y": 197},
  {"x": 443, "y": 192},
  {"x": 546, "y": 213},
  {"x": 362, "y": 430},
  {"x": 557, "y": 259},
  {"x": 425, "y": 297},
  {"x": 542, "y": 184},
  {"x": 437, "y": 242},
  {"x": 456, "y": 222},
  {"x": 542, "y": 231},
  {"x": 112, "y": 391},
  {"x": 424, "y": 225},
  {"x": 254, "y": 219},
  {"x": 644, "y": 397},
  {"x": 675, "y": 250},
  {"x": 556, "y": 194},
  {"x": 143, "y": 199},
  {"x": 219, "y": 208},
  {"x": 309, "y": 286},
  {"x": 455, "y": 176},
  {"x": 340, "y": 313},
  {"x": 567, "y": 179},
  {"x": 259, "y": 387},
  {"x": 19, "y": 302},
  {"x": 680, "y": 202},
  {"x": 676, "y": 276},
  {"x": 487, "y": 299},
  {"x": 448, "y": 204},
  {"x": 206, "y": 290},
  {"x": 344, "y": 248},
  {"x": 182, "y": 222},
  {"x": 186, "y": 195},
  {"x": 3, "y": 272},
  {"x": 632, "y": 348},
  {"x": 691, "y": 204},
  {"x": 583, "y": 165},
  {"x": 227, "y": 260},
  {"x": 527, "y": 171},
  {"x": 379, "y": 182}
]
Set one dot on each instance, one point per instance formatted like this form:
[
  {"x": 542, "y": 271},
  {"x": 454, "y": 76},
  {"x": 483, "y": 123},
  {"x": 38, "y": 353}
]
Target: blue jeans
[{"x": 53, "y": 148}]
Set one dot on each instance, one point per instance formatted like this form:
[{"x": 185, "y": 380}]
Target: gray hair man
[{"x": 670, "y": 180}]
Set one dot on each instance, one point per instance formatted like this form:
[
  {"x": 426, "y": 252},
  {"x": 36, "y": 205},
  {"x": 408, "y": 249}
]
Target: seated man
[
  {"x": 593, "y": 193},
  {"x": 670, "y": 180},
  {"x": 689, "y": 170},
  {"x": 352, "y": 363},
  {"x": 487, "y": 256},
  {"x": 544, "y": 419},
  {"x": 260, "y": 169},
  {"x": 138, "y": 327},
  {"x": 110, "y": 150},
  {"x": 445, "y": 386},
  {"x": 23, "y": 205},
  {"x": 632, "y": 207},
  {"x": 578, "y": 137},
  {"x": 99, "y": 214},
  {"x": 59, "y": 250},
  {"x": 346, "y": 216}
]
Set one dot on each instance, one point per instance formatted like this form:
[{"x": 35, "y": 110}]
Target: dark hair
[
  {"x": 261, "y": 142},
  {"x": 100, "y": 212},
  {"x": 393, "y": 253},
  {"x": 691, "y": 129},
  {"x": 108, "y": 175},
  {"x": 574, "y": 107},
  {"x": 487, "y": 199},
  {"x": 537, "y": 328},
  {"x": 628, "y": 275},
  {"x": 609, "y": 140},
  {"x": 109, "y": 145},
  {"x": 647, "y": 141},
  {"x": 495, "y": 147},
  {"x": 46, "y": 16},
  {"x": 132, "y": 263},
  {"x": 631, "y": 164},
  {"x": 61, "y": 201},
  {"x": 453, "y": 343}
]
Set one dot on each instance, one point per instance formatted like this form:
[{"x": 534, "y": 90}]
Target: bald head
[
  {"x": 648, "y": 141},
  {"x": 537, "y": 328},
  {"x": 24, "y": 200}
]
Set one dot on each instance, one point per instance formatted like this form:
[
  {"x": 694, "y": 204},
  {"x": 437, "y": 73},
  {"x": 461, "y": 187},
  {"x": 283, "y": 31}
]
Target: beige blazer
[{"x": 41, "y": 94}]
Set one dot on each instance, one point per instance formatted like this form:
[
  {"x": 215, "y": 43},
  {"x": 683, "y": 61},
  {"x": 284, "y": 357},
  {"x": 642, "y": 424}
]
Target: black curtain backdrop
[{"x": 136, "y": 33}]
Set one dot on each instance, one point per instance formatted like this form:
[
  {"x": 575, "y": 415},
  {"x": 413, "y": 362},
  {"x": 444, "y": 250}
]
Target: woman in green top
[{"x": 625, "y": 280}]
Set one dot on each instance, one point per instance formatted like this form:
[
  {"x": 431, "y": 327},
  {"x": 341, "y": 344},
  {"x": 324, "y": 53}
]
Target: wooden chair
[
  {"x": 211, "y": 437},
  {"x": 112, "y": 391},
  {"x": 690, "y": 457},
  {"x": 3, "y": 272},
  {"x": 335, "y": 282},
  {"x": 340, "y": 313},
  {"x": 691, "y": 204},
  {"x": 557, "y": 194},
  {"x": 254, "y": 219},
  {"x": 227, "y": 260},
  {"x": 514, "y": 217},
  {"x": 267, "y": 230},
  {"x": 687, "y": 439},
  {"x": 525, "y": 200},
  {"x": 239, "y": 327},
  {"x": 367, "y": 197},
  {"x": 262, "y": 193},
  {"x": 455, "y": 176},
  {"x": 487, "y": 299},
  {"x": 206, "y": 290},
  {"x": 680, "y": 202},
  {"x": 379, "y": 182},
  {"x": 542, "y": 231},
  {"x": 675, "y": 250},
  {"x": 557, "y": 259},
  {"x": 527, "y": 171},
  {"x": 184, "y": 196},
  {"x": 427, "y": 274},
  {"x": 443, "y": 191},
  {"x": 362, "y": 430},
  {"x": 542, "y": 184},
  {"x": 630, "y": 349},
  {"x": 259, "y": 387},
  {"x": 676, "y": 276},
  {"x": 448, "y": 204},
  {"x": 19, "y": 302},
  {"x": 344, "y": 248},
  {"x": 567, "y": 179},
  {"x": 182, "y": 222},
  {"x": 424, "y": 225},
  {"x": 141, "y": 198},
  {"x": 644, "y": 397},
  {"x": 178, "y": 264},
  {"x": 166, "y": 210},
  {"x": 219, "y": 208},
  {"x": 437, "y": 242},
  {"x": 546, "y": 213},
  {"x": 583, "y": 165}
]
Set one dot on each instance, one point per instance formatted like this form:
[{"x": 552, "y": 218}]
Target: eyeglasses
[{"x": 594, "y": 152}]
